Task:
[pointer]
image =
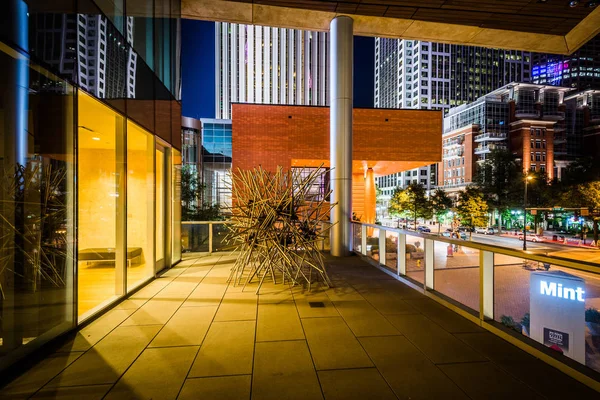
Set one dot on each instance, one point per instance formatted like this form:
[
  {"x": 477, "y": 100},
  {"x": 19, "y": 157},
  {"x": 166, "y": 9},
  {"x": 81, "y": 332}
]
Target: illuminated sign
[{"x": 557, "y": 290}]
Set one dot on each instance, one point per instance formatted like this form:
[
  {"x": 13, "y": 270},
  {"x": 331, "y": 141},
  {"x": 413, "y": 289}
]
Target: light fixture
[
  {"x": 96, "y": 138},
  {"x": 573, "y": 3},
  {"x": 591, "y": 4}
]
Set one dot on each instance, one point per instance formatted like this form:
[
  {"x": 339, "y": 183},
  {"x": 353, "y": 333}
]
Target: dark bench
[{"x": 108, "y": 254}]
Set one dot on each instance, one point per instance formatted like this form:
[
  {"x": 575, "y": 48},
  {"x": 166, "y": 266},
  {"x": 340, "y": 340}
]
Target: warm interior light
[{"x": 95, "y": 138}]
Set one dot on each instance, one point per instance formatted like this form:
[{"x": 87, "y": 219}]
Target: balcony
[
  {"x": 490, "y": 136},
  {"x": 454, "y": 153},
  {"x": 553, "y": 115},
  {"x": 489, "y": 148},
  {"x": 451, "y": 143},
  {"x": 527, "y": 113},
  {"x": 559, "y": 139}
]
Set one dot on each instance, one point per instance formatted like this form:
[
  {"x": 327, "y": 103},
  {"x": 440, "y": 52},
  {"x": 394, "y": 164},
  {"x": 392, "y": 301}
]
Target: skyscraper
[
  {"x": 580, "y": 70},
  {"x": 426, "y": 75},
  {"x": 258, "y": 64}
]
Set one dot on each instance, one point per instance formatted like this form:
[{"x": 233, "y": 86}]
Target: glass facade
[
  {"x": 216, "y": 161},
  {"x": 90, "y": 139}
]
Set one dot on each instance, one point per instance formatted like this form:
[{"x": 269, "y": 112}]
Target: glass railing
[
  {"x": 208, "y": 237},
  {"x": 549, "y": 301}
]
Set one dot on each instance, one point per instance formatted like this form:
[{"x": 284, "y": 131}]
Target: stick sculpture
[{"x": 278, "y": 221}]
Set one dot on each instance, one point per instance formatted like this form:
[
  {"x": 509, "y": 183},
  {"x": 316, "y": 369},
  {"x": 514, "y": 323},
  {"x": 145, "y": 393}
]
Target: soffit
[{"x": 529, "y": 25}]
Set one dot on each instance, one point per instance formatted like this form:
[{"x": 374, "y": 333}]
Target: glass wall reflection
[
  {"x": 36, "y": 205},
  {"x": 140, "y": 205},
  {"x": 98, "y": 192}
]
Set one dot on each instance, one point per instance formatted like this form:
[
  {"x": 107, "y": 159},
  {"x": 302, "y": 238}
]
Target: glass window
[
  {"x": 98, "y": 194},
  {"x": 37, "y": 205},
  {"x": 140, "y": 205}
]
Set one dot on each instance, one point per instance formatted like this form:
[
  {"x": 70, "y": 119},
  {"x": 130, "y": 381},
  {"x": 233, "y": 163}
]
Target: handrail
[{"x": 564, "y": 262}]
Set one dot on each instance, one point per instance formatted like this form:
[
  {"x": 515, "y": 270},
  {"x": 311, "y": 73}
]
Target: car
[
  {"x": 485, "y": 231},
  {"x": 532, "y": 237},
  {"x": 424, "y": 229},
  {"x": 465, "y": 229}
]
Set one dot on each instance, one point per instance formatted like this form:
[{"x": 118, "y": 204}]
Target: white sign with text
[{"x": 557, "y": 312}]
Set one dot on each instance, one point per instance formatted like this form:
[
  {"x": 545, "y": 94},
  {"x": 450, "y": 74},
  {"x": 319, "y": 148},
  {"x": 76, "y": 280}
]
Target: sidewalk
[{"x": 190, "y": 335}]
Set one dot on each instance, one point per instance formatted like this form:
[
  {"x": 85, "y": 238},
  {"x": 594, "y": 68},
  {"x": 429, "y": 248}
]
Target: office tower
[
  {"x": 426, "y": 75},
  {"x": 258, "y": 64},
  {"x": 580, "y": 70}
]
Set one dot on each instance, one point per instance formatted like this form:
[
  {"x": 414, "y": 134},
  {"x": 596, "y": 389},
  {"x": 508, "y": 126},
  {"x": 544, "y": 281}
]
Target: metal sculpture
[{"x": 278, "y": 222}]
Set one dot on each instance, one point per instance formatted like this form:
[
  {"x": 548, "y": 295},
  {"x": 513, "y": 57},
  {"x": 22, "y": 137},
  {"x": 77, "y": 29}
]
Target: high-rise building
[
  {"x": 580, "y": 70},
  {"x": 259, "y": 64},
  {"x": 426, "y": 75},
  {"x": 526, "y": 119}
]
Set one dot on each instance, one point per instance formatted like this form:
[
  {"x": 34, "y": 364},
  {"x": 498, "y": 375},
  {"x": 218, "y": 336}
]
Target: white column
[
  {"x": 258, "y": 66},
  {"x": 275, "y": 64},
  {"x": 242, "y": 62},
  {"x": 486, "y": 285},
  {"x": 250, "y": 65},
  {"x": 340, "y": 131},
  {"x": 290, "y": 67},
  {"x": 267, "y": 66}
]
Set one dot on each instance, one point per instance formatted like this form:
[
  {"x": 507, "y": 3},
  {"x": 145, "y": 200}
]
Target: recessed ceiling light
[
  {"x": 591, "y": 4},
  {"x": 573, "y": 3},
  {"x": 95, "y": 138}
]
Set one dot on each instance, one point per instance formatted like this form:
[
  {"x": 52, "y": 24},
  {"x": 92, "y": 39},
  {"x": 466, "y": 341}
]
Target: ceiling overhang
[{"x": 302, "y": 17}]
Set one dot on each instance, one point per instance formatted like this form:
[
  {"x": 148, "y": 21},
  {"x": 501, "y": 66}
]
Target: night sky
[{"x": 198, "y": 69}]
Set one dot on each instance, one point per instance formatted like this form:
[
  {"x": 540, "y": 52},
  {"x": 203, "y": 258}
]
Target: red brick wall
[{"x": 274, "y": 135}]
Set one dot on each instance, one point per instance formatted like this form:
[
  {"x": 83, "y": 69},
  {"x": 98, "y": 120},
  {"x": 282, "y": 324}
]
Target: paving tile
[
  {"x": 150, "y": 290},
  {"x": 446, "y": 318},
  {"x": 349, "y": 384},
  {"x": 304, "y": 297},
  {"x": 494, "y": 348},
  {"x": 227, "y": 350},
  {"x": 364, "y": 319},
  {"x": 40, "y": 374},
  {"x": 156, "y": 374},
  {"x": 207, "y": 293},
  {"x": 237, "y": 307},
  {"x": 187, "y": 327},
  {"x": 273, "y": 294},
  {"x": 343, "y": 293},
  {"x": 284, "y": 370},
  {"x": 332, "y": 344},
  {"x": 538, "y": 374},
  {"x": 91, "y": 392},
  {"x": 388, "y": 303},
  {"x": 130, "y": 304},
  {"x": 154, "y": 312},
  {"x": 278, "y": 322},
  {"x": 107, "y": 360},
  {"x": 221, "y": 387},
  {"x": 177, "y": 290},
  {"x": 95, "y": 331},
  {"x": 437, "y": 344},
  {"x": 408, "y": 371},
  {"x": 486, "y": 381}
]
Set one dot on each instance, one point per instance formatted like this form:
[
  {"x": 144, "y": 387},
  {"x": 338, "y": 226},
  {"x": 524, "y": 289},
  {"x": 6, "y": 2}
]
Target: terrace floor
[{"x": 191, "y": 335}]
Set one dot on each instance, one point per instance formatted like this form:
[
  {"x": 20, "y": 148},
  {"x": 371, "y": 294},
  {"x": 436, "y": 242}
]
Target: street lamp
[{"x": 527, "y": 179}]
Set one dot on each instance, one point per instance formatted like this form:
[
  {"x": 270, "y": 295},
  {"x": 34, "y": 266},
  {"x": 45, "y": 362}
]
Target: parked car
[
  {"x": 532, "y": 237},
  {"x": 485, "y": 231},
  {"x": 465, "y": 229},
  {"x": 424, "y": 229}
]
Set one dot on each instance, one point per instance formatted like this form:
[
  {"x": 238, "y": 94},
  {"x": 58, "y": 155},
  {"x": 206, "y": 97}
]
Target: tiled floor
[{"x": 190, "y": 335}]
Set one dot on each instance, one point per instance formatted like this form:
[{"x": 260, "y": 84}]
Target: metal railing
[
  {"x": 490, "y": 136},
  {"x": 529, "y": 298},
  {"x": 489, "y": 148}
]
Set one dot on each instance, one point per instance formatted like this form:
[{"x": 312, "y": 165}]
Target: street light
[{"x": 527, "y": 179}]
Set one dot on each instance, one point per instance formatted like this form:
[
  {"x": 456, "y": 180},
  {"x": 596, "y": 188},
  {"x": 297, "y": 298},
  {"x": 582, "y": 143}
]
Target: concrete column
[{"x": 340, "y": 131}]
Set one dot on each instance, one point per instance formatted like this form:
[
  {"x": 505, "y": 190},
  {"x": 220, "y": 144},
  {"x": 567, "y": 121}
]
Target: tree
[
  {"x": 411, "y": 201},
  {"x": 585, "y": 195},
  {"x": 191, "y": 208},
  {"x": 471, "y": 208},
  {"x": 441, "y": 204},
  {"x": 496, "y": 178}
]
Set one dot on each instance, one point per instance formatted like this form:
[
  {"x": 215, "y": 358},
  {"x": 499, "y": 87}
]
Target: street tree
[
  {"x": 410, "y": 202},
  {"x": 497, "y": 177},
  {"x": 585, "y": 195},
  {"x": 471, "y": 208},
  {"x": 441, "y": 204}
]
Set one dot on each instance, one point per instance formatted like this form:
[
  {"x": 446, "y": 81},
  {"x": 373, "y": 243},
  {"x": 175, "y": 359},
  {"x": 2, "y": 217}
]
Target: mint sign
[{"x": 554, "y": 338}]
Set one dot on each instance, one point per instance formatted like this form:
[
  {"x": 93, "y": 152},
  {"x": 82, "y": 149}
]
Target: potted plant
[
  {"x": 592, "y": 320},
  {"x": 525, "y": 324},
  {"x": 510, "y": 322}
]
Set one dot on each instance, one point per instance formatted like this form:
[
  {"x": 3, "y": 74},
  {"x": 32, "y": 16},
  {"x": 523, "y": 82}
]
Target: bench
[{"x": 107, "y": 254}]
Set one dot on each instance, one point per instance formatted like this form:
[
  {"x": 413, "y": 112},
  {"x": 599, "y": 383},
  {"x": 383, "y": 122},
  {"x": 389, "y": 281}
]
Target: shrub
[
  {"x": 525, "y": 321},
  {"x": 509, "y": 322},
  {"x": 592, "y": 315}
]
